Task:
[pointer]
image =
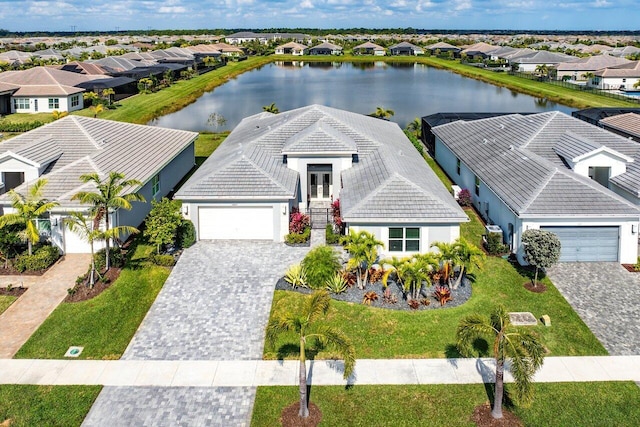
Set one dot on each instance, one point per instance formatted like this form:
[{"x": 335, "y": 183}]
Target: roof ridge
[
  {"x": 262, "y": 171},
  {"x": 553, "y": 115},
  {"x": 539, "y": 191},
  {"x": 73, "y": 164},
  {"x": 77, "y": 121}
]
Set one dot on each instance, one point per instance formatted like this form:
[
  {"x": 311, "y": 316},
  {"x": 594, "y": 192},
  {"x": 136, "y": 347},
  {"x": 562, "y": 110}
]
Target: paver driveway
[
  {"x": 607, "y": 298},
  {"x": 214, "y": 306}
]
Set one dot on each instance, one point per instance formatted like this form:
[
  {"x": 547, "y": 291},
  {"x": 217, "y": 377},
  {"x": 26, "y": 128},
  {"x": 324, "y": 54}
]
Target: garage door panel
[
  {"x": 234, "y": 223},
  {"x": 587, "y": 243}
]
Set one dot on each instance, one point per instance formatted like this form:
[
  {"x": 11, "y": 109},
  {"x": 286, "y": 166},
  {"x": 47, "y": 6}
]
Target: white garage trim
[
  {"x": 587, "y": 243},
  {"x": 235, "y": 222}
]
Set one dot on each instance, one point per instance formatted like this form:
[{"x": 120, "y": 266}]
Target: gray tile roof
[
  {"x": 75, "y": 145},
  {"x": 389, "y": 182},
  {"x": 515, "y": 156},
  {"x": 571, "y": 146}
]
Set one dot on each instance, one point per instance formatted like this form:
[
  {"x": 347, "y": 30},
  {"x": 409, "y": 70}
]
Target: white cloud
[
  {"x": 172, "y": 9},
  {"x": 306, "y": 4},
  {"x": 601, "y": 3}
]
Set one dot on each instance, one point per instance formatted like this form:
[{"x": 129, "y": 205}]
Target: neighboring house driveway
[
  {"x": 607, "y": 298},
  {"x": 214, "y": 306}
]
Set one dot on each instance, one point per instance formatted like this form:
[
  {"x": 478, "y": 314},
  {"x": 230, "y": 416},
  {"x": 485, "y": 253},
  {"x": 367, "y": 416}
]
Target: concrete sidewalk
[
  {"x": 43, "y": 295},
  {"x": 252, "y": 373}
]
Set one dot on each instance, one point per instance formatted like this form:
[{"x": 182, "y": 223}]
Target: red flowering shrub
[{"x": 298, "y": 222}]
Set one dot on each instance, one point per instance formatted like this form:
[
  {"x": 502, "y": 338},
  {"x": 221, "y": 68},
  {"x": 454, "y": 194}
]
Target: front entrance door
[{"x": 320, "y": 182}]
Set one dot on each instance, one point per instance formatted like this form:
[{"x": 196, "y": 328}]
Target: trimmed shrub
[
  {"x": 41, "y": 259},
  {"x": 186, "y": 235},
  {"x": 6, "y": 126},
  {"x": 163, "y": 260},
  {"x": 331, "y": 237},
  {"x": 296, "y": 238},
  {"x": 116, "y": 258},
  {"x": 464, "y": 198},
  {"x": 321, "y": 264},
  {"x": 495, "y": 245}
]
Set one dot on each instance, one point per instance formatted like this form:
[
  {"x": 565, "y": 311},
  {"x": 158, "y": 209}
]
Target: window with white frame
[
  {"x": 155, "y": 185},
  {"x": 21, "y": 103},
  {"x": 404, "y": 239},
  {"x": 54, "y": 103},
  {"x": 75, "y": 100}
]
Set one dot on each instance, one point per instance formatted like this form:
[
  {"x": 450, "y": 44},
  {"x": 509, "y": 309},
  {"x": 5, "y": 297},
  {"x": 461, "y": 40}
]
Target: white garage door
[
  {"x": 587, "y": 243},
  {"x": 233, "y": 222}
]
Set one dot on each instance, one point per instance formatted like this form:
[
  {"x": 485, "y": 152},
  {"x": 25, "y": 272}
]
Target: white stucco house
[
  {"x": 549, "y": 171},
  {"x": 64, "y": 150},
  {"x": 624, "y": 76},
  {"x": 273, "y": 163},
  {"x": 291, "y": 48}
]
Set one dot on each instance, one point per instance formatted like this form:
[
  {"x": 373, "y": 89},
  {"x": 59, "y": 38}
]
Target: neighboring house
[
  {"x": 272, "y": 164},
  {"x": 549, "y": 171},
  {"x": 627, "y": 125},
  {"x": 67, "y": 148},
  {"x": 326, "y": 48},
  {"x": 443, "y": 47},
  {"x": 291, "y": 48},
  {"x": 625, "y": 51},
  {"x": 577, "y": 69},
  {"x": 405, "y": 48},
  {"x": 369, "y": 48},
  {"x": 48, "y": 55},
  {"x": 529, "y": 63},
  {"x": 264, "y": 38},
  {"x": 15, "y": 57},
  {"x": 6, "y": 91},
  {"x": 45, "y": 89},
  {"x": 620, "y": 77},
  {"x": 478, "y": 50}
]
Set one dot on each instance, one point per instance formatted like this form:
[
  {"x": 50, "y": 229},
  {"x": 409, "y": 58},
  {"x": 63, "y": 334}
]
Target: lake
[{"x": 410, "y": 90}]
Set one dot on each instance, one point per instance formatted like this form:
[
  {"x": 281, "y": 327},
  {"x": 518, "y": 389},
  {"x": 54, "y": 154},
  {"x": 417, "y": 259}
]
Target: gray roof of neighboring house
[
  {"x": 592, "y": 63},
  {"x": 389, "y": 182},
  {"x": 515, "y": 156},
  {"x": 402, "y": 45},
  {"x": 544, "y": 57},
  {"x": 76, "y": 145},
  {"x": 327, "y": 45},
  {"x": 46, "y": 81},
  {"x": 369, "y": 45},
  {"x": 443, "y": 45},
  {"x": 630, "y": 69}
]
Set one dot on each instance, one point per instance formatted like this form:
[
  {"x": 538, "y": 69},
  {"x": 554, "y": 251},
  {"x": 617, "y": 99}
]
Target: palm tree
[
  {"x": 542, "y": 70},
  {"x": 468, "y": 256},
  {"x": 415, "y": 126},
  {"x": 363, "y": 253},
  {"x": 59, "y": 114},
  {"x": 448, "y": 257},
  {"x": 97, "y": 109},
  {"x": 636, "y": 84},
  {"x": 521, "y": 347},
  {"x": 108, "y": 93},
  {"x": 305, "y": 319},
  {"x": 108, "y": 197},
  {"x": 271, "y": 108},
  {"x": 383, "y": 114},
  {"x": 415, "y": 271},
  {"x": 90, "y": 96},
  {"x": 28, "y": 208}
]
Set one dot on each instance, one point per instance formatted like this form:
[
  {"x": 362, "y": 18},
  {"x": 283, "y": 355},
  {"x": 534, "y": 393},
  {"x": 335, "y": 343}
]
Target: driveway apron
[
  {"x": 214, "y": 306},
  {"x": 606, "y": 296}
]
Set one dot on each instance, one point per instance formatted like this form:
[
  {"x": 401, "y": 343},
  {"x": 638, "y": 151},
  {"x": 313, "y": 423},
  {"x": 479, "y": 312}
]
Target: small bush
[
  {"x": 442, "y": 294},
  {"x": 186, "y": 234},
  {"x": 389, "y": 297},
  {"x": 296, "y": 238},
  {"x": 414, "y": 304},
  {"x": 298, "y": 222},
  {"x": 321, "y": 264},
  {"x": 337, "y": 284},
  {"x": 370, "y": 297},
  {"x": 41, "y": 259},
  {"x": 163, "y": 260},
  {"x": 296, "y": 276},
  {"x": 331, "y": 237},
  {"x": 636, "y": 266},
  {"x": 494, "y": 244},
  {"x": 464, "y": 198},
  {"x": 6, "y": 126},
  {"x": 116, "y": 258}
]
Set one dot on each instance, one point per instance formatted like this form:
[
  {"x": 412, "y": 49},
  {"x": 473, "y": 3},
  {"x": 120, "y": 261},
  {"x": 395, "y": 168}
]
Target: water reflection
[{"x": 411, "y": 90}]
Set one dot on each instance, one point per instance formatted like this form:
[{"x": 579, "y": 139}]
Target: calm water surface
[{"x": 411, "y": 90}]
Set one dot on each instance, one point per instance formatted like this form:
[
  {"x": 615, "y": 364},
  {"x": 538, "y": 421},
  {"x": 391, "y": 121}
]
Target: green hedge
[
  {"x": 295, "y": 238},
  {"x": 6, "y": 126},
  {"x": 186, "y": 234},
  {"x": 163, "y": 260},
  {"x": 41, "y": 259}
]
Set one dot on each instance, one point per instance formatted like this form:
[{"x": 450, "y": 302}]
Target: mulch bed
[
  {"x": 539, "y": 288},
  {"x": 631, "y": 268},
  {"x": 290, "y": 418},
  {"x": 14, "y": 292},
  {"x": 482, "y": 417},
  {"x": 82, "y": 291},
  {"x": 13, "y": 272}
]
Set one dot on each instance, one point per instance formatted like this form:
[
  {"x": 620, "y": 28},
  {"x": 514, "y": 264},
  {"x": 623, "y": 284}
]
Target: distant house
[
  {"x": 272, "y": 164},
  {"x": 627, "y": 124},
  {"x": 577, "y": 69},
  {"x": 529, "y": 63},
  {"x": 443, "y": 47},
  {"x": 623, "y": 76},
  {"x": 291, "y": 48},
  {"x": 549, "y": 171},
  {"x": 69, "y": 147},
  {"x": 369, "y": 48},
  {"x": 479, "y": 50},
  {"x": 326, "y": 48},
  {"x": 405, "y": 48}
]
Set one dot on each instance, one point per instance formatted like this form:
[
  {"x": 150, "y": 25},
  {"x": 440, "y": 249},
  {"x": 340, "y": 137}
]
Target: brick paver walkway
[{"x": 45, "y": 292}]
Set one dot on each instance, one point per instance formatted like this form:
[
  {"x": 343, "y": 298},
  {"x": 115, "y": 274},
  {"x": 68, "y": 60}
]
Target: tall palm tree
[
  {"x": 542, "y": 70},
  {"x": 415, "y": 126},
  {"x": 363, "y": 253},
  {"x": 28, "y": 208},
  {"x": 107, "y": 198},
  {"x": 271, "y": 108},
  {"x": 305, "y": 319},
  {"x": 382, "y": 113},
  {"x": 448, "y": 257},
  {"x": 108, "y": 93},
  {"x": 520, "y": 346}
]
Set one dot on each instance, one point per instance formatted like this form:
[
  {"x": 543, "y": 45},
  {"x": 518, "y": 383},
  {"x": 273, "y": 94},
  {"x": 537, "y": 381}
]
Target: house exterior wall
[
  {"x": 64, "y": 103},
  {"x": 617, "y": 166},
  {"x": 613, "y": 83},
  {"x": 429, "y": 234},
  {"x": 9, "y": 164},
  {"x": 300, "y": 165}
]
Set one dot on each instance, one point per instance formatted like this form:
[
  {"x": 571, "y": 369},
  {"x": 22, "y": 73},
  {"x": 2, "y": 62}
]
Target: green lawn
[
  {"x": 555, "y": 404},
  {"x": 31, "y": 405},
  {"x": 207, "y": 143},
  {"x": 27, "y": 118},
  {"x": 5, "y": 302},
  {"x": 105, "y": 324}
]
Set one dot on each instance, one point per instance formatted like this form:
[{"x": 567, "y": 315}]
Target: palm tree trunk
[
  {"x": 107, "y": 264},
  {"x": 459, "y": 278},
  {"x": 499, "y": 390},
  {"x": 93, "y": 268},
  {"x": 29, "y": 246},
  {"x": 304, "y": 405}
]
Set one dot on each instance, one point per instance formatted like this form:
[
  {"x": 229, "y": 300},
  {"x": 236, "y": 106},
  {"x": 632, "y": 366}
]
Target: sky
[{"x": 113, "y": 15}]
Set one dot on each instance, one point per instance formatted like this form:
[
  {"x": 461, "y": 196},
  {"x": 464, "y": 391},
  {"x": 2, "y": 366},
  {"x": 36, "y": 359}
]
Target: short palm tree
[
  {"x": 520, "y": 346},
  {"x": 467, "y": 256},
  {"x": 97, "y": 109},
  {"x": 27, "y": 209},
  {"x": 59, "y": 114},
  {"x": 382, "y": 113},
  {"x": 107, "y": 94},
  {"x": 108, "y": 198},
  {"x": 306, "y": 320},
  {"x": 415, "y": 126},
  {"x": 416, "y": 270},
  {"x": 363, "y": 253},
  {"x": 271, "y": 108}
]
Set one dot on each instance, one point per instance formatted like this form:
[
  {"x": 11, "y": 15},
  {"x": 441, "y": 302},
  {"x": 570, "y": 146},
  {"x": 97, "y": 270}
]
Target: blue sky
[{"x": 109, "y": 15}]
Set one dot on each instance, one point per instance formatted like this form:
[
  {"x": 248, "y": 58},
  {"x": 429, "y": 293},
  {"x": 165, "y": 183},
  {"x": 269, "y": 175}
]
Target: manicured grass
[
  {"x": 105, "y": 324},
  {"x": 31, "y": 405},
  {"x": 380, "y": 333},
  {"x": 438, "y": 171},
  {"x": 27, "y": 118},
  {"x": 557, "y": 404},
  {"x": 5, "y": 302},
  {"x": 474, "y": 229},
  {"x": 207, "y": 143}
]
